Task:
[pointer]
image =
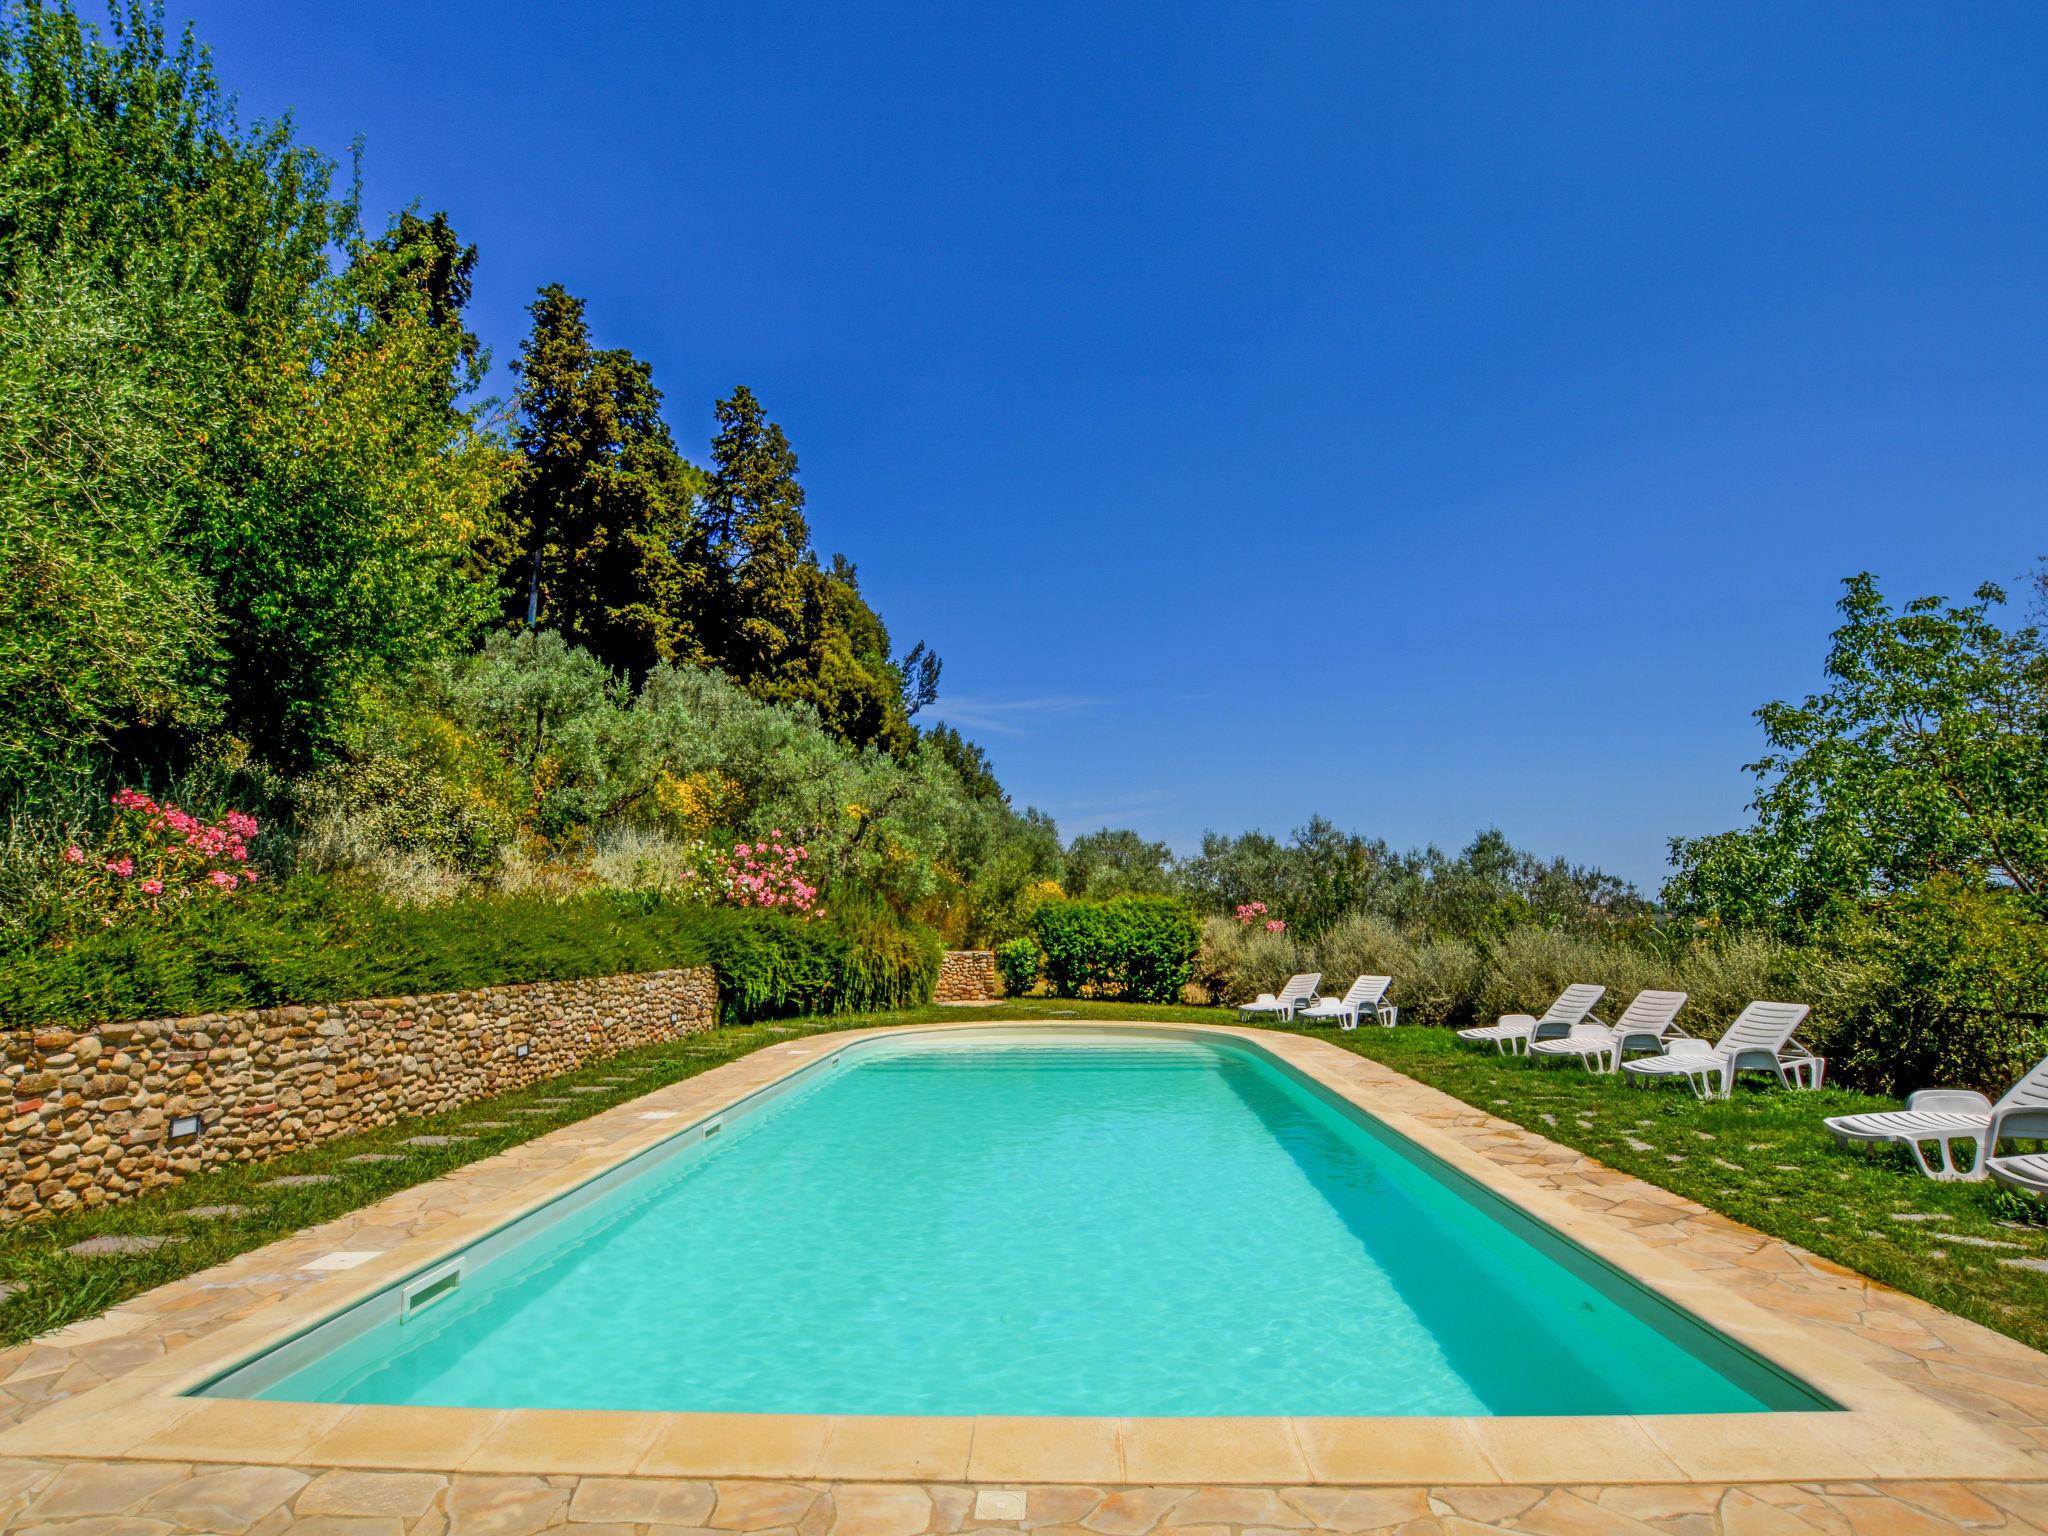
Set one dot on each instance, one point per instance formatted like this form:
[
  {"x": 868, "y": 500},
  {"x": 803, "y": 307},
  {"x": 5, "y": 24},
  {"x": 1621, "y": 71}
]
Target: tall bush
[
  {"x": 1140, "y": 948},
  {"x": 1942, "y": 982},
  {"x": 1362, "y": 945},
  {"x": 1237, "y": 961},
  {"x": 1442, "y": 985},
  {"x": 1524, "y": 969}
]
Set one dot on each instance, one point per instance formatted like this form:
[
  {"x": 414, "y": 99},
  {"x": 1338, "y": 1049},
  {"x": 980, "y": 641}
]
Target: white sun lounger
[
  {"x": 2027, "y": 1173},
  {"x": 1945, "y": 1116},
  {"x": 1760, "y": 1040},
  {"x": 1368, "y": 994},
  {"x": 1299, "y": 990},
  {"x": 1515, "y": 1031},
  {"x": 1643, "y": 1026}
]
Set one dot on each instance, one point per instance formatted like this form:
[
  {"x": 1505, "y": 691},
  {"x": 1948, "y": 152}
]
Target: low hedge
[
  {"x": 1139, "y": 948},
  {"x": 313, "y": 940}
]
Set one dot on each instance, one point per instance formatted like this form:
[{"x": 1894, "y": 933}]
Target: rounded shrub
[{"x": 1019, "y": 961}]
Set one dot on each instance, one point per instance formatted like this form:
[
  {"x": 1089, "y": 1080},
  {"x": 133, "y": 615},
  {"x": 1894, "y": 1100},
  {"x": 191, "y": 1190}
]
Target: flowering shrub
[
  {"x": 768, "y": 873},
  {"x": 1250, "y": 912},
  {"x": 155, "y": 854}
]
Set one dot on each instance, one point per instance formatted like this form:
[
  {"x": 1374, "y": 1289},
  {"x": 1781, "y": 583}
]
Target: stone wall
[
  {"x": 94, "y": 1113},
  {"x": 968, "y": 976}
]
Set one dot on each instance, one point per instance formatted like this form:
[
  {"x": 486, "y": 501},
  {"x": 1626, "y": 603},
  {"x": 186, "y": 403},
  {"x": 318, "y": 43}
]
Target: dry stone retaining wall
[
  {"x": 968, "y": 976},
  {"x": 93, "y": 1112}
]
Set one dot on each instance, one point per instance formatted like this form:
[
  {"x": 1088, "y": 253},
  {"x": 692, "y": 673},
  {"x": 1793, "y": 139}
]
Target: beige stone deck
[{"x": 1948, "y": 1427}]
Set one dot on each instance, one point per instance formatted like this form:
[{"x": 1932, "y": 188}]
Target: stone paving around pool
[
  {"x": 165, "y": 1498},
  {"x": 309, "y": 1472}
]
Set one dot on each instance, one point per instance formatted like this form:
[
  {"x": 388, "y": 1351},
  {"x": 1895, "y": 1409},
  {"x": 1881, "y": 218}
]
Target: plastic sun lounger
[
  {"x": 1760, "y": 1040},
  {"x": 1299, "y": 990},
  {"x": 1516, "y": 1031},
  {"x": 1645, "y": 1025},
  {"x": 1946, "y": 1116},
  {"x": 2027, "y": 1173},
  {"x": 1367, "y": 994}
]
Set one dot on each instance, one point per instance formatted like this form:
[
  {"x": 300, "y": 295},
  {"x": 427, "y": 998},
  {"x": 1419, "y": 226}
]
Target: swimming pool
[{"x": 1114, "y": 1222}]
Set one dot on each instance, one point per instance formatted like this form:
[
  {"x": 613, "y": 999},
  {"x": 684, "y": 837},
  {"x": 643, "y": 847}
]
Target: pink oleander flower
[
  {"x": 124, "y": 867},
  {"x": 223, "y": 879},
  {"x": 74, "y": 854},
  {"x": 1276, "y": 926},
  {"x": 249, "y": 876},
  {"x": 153, "y": 887}
]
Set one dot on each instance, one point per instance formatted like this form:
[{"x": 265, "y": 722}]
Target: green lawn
[{"x": 1762, "y": 1158}]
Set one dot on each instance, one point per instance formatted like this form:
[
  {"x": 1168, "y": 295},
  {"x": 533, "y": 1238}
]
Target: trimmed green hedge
[
  {"x": 314, "y": 941},
  {"x": 1140, "y": 948}
]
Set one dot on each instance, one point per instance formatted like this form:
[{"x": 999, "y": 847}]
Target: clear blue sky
[{"x": 1430, "y": 416}]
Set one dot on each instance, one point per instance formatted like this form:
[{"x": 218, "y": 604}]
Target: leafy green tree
[
  {"x": 756, "y": 540},
  {"x": 635, "y": 554},
  {"x": 120, "y": 151},
  {"x": 969, "y": 762},
  {"x": 1014, "y": 866},
  {"x": 1322, "y": 874},
  {"x": 920, "y": 669},
  {"x": 343, "y": 491},
  {"x": 326, "y": 483},
  {"x": 432, "y": 255},
  {"x": 105, "y": 628},
  {"x": 1116, "y": 863},
  {"x": 601, "y": 521},
  {"x": 1925, "y": 756},
  {"x": 773, "y": 618}
]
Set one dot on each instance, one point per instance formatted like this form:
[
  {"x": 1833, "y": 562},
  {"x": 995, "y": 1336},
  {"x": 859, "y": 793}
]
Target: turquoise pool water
[{"x": 1124, "y": 1225}]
